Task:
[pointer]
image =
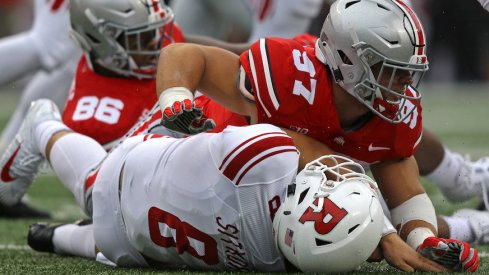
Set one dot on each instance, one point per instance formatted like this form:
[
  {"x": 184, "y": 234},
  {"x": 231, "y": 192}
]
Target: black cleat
[
  {"x": 40, "y": 237},
  {"x": 22, "y": 210}
]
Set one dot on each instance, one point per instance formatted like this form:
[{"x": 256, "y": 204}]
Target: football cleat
[
  {"x": 455, "y": 255},
  {"x": 472, "y": 180},
  {"x": 22, "y": 210},
  {"x": 40, "y": 236},
  {"x": 479, "y": 223},
  {"x": 21, "y": 160}
]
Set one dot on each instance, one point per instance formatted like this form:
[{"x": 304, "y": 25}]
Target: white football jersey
[{"x": 208, "y": 201}]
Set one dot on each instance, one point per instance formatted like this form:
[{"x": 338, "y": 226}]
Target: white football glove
[{"x": 50, "y": 32}]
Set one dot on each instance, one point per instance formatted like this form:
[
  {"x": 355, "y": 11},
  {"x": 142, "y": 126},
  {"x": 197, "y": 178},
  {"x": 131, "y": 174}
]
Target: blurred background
[{"x": 457, "y": 31}]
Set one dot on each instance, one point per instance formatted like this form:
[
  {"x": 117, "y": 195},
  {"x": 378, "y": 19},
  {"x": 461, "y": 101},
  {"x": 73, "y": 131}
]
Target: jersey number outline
[
  {"x": 105, "y": 109},
  {"x": 304, "y": 64},
  {"x": 159, "y": 217}
]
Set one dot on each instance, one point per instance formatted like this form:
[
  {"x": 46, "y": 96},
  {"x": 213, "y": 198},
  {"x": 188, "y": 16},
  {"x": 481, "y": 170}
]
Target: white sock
[
  {"x": 45, "y": 131},
  {"x": 460, "y": 229},
  {"x": 447, "y": 172},
  {"x": 75, "y": 240},
  {"x": 72, "y": 157}
]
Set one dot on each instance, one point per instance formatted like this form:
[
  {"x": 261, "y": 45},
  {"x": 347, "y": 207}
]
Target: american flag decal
[{"x": 289, "y": 236}]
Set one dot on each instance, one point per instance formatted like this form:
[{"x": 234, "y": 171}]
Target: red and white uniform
[
  {"x": 293, "y": 89},
  {"x": 105, "y": 108},
  {"x": 218, "y": 217}
]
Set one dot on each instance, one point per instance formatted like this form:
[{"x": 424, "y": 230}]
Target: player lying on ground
[
  {"x": 353, "y": 92},
  {"x": 220, "y": 215}
]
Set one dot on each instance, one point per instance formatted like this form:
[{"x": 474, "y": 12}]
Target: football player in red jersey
[
  {"x": 355, "y": 92},
  {"x": 114, "y": 82}
]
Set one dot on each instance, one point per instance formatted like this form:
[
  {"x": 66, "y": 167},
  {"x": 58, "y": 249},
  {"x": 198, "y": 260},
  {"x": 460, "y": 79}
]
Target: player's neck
[{"x": 349, "y": 109}]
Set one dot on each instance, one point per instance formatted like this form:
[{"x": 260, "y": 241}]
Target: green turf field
[{"x": 459, "y": 115}]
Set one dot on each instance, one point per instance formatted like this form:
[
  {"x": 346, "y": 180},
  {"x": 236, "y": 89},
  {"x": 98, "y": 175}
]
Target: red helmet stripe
[{"x": 418, "y": 31}]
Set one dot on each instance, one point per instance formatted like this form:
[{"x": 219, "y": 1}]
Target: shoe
[
  {"x": 473, "y": 180},
  {"x": 455, "y": 255},
  {"x": 479, "y": 223},
  {"x": 22, "y": 210},
  {"x": 40, "y": 236},
  {"x": 21, "y": 160}
]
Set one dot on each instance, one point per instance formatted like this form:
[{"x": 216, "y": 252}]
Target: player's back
[{"x": 206, "y": 202}]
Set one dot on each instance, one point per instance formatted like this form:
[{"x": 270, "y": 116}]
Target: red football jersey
[
  {"x": 105, "y": 108},
  {"x": 293, "y": 89}
]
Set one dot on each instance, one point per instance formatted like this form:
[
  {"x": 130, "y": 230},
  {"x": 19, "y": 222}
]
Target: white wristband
[
  {"x": 173, "y": 94},
  {"x": 417, "y": 236}
]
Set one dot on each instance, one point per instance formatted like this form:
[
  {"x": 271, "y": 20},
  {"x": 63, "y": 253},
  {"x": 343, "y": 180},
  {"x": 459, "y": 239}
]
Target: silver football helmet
[
  {"x": 123, "y": 36},
  {"x": 369, "y": 45},
  {"x": 331, "y": 220}
]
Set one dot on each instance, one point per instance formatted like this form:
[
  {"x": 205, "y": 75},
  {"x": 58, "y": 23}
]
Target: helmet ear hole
[
  {"x": 303, "y": 195},
  {"x": 320, "y": 242},
  {"x": 353, "y": 228}
]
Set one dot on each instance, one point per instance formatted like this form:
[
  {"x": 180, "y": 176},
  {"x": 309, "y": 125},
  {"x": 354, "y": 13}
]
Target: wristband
[
  {"x": 416, "y": 237},
  {"x": 171, "y": 95}
]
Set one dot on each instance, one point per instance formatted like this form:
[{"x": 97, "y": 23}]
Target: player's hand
[
  {"x": 453, "y": 254},
  {"x": 186, "y": 117},
  {"x": 50, "y": 32},
  {"x": 400, "y": 255}
]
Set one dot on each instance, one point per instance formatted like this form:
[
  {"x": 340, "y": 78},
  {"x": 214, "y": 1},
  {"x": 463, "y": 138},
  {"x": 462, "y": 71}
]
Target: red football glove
[
  {"x": 455, "y": 255},
  {"x": 186, "y": 117}
]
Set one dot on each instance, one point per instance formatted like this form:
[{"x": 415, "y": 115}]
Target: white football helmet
[
  {"x": 331, "y": 220},
  {"x": 115, "y": 34},
  {"x": 358, "y": 34}
]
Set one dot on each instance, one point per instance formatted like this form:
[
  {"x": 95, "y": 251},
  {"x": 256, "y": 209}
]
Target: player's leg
[
  {"x": 458, "y": 178},
  {"x": 467, "y": 225},
  {"x": 42, "y": 135},
  {"x": 65, "y": 239}
]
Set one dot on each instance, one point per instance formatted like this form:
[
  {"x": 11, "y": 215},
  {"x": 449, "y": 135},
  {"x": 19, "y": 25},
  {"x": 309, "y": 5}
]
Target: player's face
[
  {"x": 147, "y": 42},
  {"x": 396, "y": 81}
]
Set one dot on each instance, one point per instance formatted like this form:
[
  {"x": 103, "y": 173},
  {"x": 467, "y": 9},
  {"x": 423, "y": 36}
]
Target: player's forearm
[
  {"x": 17, "y": 57},
  {"x": 180, "y": 65}
]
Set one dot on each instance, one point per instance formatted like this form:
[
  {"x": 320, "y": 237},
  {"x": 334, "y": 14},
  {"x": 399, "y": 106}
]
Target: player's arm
[
  {"x": 185, "y": 68},
  {"x": 309, "y": 148},
  {"x": 392, "y": 248},
  {"x": 411, "y": 209},
  {"x": 236, "y": 48}
]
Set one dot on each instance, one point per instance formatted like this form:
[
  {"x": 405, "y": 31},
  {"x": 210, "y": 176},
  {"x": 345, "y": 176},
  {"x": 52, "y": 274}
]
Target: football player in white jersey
[
  {"x": 148, "y": 210},
  {"x": 46, "y": 50}
]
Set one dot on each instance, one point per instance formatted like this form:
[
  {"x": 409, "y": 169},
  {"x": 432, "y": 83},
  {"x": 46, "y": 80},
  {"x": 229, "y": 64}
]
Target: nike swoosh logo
[
  {"x": 5, "y": 176},
  {"x": 375, "y": 148}
]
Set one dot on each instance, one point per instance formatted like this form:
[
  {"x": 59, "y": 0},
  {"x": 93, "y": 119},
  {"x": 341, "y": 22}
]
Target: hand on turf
[
  {"x": 453, "y": 254},
  {"x": 401, "y": 256},
  {"x": 186, "y": 117}
]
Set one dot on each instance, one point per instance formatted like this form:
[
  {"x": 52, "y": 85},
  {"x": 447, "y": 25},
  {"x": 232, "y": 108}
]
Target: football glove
[
  {"x": 186, "y": 117},
  {"x": 453, "y": 254}
]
